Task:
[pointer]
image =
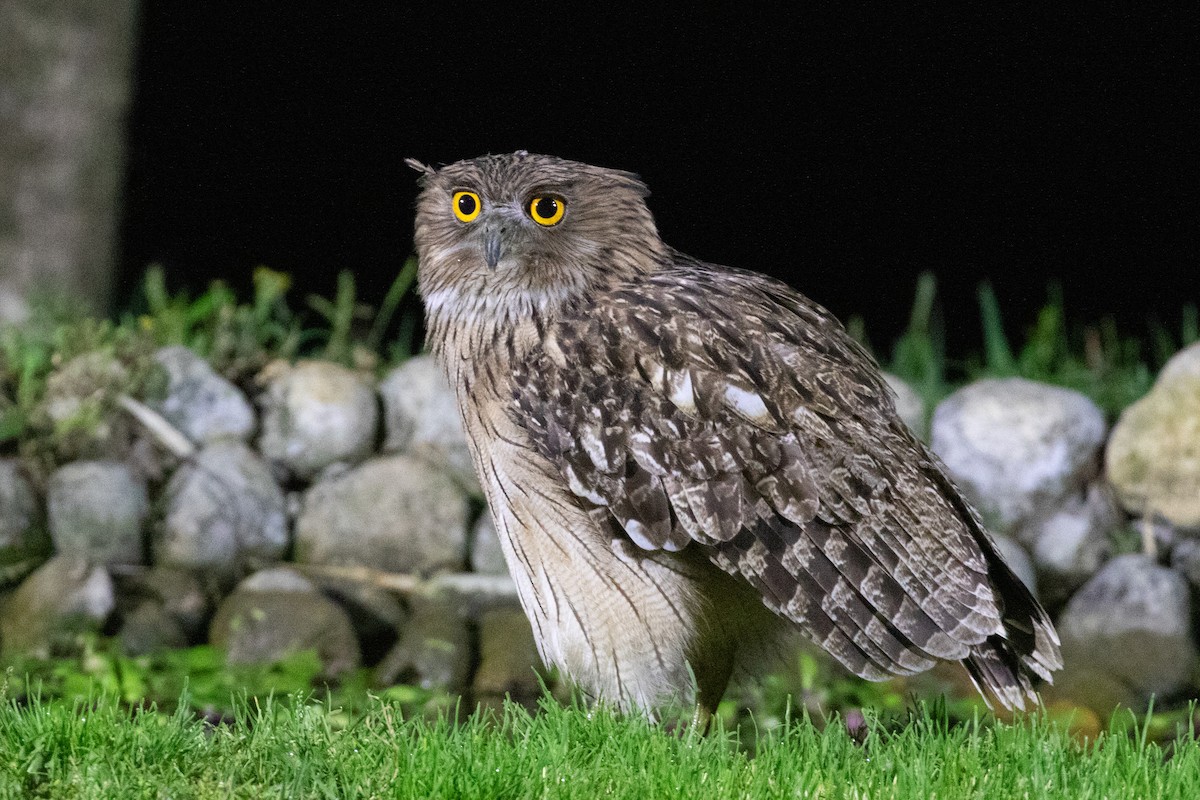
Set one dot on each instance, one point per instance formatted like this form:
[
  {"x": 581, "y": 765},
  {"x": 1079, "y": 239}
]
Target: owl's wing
[{"x": 714, "y": 408}]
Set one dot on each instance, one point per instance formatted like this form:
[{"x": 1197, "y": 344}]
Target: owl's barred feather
[{"x": 677, "y": 414}]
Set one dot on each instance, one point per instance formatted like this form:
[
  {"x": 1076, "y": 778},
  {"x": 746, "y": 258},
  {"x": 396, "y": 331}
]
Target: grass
[
  {"x": 95, "y": 748},
  {"x": 1113, "y": 368},
  {"x": 199, "y": 677}
]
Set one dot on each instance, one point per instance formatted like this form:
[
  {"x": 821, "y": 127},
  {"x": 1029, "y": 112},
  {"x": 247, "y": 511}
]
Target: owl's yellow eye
[
  {"x": 547, "y": 209},
  {"x": 466, "y": 205}
]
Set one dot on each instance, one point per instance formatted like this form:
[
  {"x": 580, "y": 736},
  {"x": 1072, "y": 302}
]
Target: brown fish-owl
[{"x": 684, "y": 461}]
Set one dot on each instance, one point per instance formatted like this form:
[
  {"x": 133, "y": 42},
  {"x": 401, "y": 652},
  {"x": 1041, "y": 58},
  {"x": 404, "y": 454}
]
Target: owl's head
[{"x": 523, "y": 231}]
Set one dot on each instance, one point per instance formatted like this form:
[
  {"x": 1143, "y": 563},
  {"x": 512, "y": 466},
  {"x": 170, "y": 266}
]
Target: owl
[{"x": 685, "y": 462}]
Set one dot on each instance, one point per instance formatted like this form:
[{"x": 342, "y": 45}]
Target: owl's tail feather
[
  {"x": 1003, "y": 666},
  {"x": 1000, "y": 674}
]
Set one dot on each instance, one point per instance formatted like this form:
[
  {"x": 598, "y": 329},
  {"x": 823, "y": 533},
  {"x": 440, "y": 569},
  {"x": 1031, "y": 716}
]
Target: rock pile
[{"x": 345, "y": 518}]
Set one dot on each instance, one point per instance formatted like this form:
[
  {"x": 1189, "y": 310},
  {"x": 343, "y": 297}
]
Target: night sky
[{"x": 844, "y": 152}]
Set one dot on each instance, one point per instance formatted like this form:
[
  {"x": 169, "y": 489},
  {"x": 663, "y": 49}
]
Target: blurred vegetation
[
  {"x": 238, "y": 338},
  {"x": 199, "y": 679},
  {"x": 1111, "y": 367}
]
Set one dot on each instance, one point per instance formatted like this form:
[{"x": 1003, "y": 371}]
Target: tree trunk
[{"x": 66, "y": 70}]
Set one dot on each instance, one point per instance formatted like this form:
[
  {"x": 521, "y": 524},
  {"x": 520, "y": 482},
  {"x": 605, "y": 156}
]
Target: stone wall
[{"x": 339, "y": 513}]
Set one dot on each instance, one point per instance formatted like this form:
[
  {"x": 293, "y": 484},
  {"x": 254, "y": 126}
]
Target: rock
[
  {"x": 96, "y": 510},
  {"x": 473, "y": 595},
  {"x": 79, "y": 408},
  {"x": 420, "y": 415},
  {"x": 148, "y": 628},
  {"x": 203, "y": 405},
  {"x": 1070, "y": 543},
  {"x": 60, "y": 599},
  {"x": 315, "y": 414},
  {"x": 487, "y": 558},
  {"x": 278, "y": 613},
  {"x": 1016, "y": 447},
  {"x": 1127, "y": 632},
  {"x": 392, "y": 513},
  {"x": 1184, "y": 364},
  {"x": 23, "y": 540},
  {"x": 1018, "y": 561},
  {"x": 224, "y": 513},
  {"x": 1153, "y": 455},
  {"x": 18, "y": 505},
  {"x": 14, "y": 308},
  {"x": 909, "y": 405},
  {"x": 434, "y": 651},
  {"x": 279, "y": 579},
  {"x": 509, "y": 664},
  {"x": 377, "y": 615},
  {"x": 1185, "y": 559},
  {"x": 177, "y": 593}
]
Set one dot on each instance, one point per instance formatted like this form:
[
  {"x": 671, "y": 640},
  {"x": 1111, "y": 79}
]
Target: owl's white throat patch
[{"x": 473, "y": 306}]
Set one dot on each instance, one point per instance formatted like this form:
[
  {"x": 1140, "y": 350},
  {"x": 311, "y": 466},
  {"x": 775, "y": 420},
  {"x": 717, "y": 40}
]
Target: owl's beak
[{"x": 492, "y": 247}]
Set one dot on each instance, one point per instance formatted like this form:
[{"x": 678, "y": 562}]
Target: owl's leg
[{"x": 710, "y": 686}]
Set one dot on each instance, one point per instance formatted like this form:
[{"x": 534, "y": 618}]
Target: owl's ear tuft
[
  {"x": 633, "y": 181},
  {"x": 425, "y": 170}
]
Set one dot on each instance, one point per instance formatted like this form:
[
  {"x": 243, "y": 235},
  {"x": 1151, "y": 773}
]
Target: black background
[{"x": 843, "y": 151}]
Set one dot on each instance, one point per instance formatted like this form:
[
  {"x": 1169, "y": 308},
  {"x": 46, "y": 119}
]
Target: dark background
[{"x": 842, "y": 151}]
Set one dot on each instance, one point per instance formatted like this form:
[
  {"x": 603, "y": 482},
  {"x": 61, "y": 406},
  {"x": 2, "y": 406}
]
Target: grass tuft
[
  {"x": 95, "y": 748},
  {"x": 1112, "y": 368}
]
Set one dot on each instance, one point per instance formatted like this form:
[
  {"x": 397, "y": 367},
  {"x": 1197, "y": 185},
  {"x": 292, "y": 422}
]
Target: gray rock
[
  {"x": 203, "y": 405},
  {"x": 96, "y": 510},
  {"x": 1070, "y": 543},
  {"x": 377, "y": 615},
  {"x": 509, "y": 664},
  {"x": 316, "y": 414},
  {"x": 18, "y": 505},
  {"x": 909, "y": 405},
  {"x": 393, "y": 513},
  {"x": 1016, "y": 447},
  {"x": 1185, "y": 559},
  {"x": 224, "y": 513},
  {"x": 473, "y": 595},
  {"x": 1018, "y": 561},
  {"x": 1153, "y": 455},
  {"x": 285, "y": 615},
  {"x": 1129, "y": 626},
  {"x": 23, "y": 540},
  {"x": 79, "y": 407},
  {"x": 14, "y": 308},
  {"x": 421, "y": 417},
  {"x": 149, "y": 628},
  {"x": 60, "y": 599},
  {"x": 487, "y": 557},
  {"x": 278, "y": 579},
  {"x": 434, "y": 651},
  {"x": 176, "y": 593}
]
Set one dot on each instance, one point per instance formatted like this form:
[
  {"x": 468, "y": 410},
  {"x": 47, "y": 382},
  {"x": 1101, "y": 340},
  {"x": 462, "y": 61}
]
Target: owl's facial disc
[
  {"x": 500, "y": 234},
  {"x": 508, "y": 231}
]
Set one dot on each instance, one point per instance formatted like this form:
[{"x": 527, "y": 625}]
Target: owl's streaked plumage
[{"x": 683, "y": 460}]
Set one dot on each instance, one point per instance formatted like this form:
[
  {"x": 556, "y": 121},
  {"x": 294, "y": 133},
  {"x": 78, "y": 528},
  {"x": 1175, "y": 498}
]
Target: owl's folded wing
[{"x": 723, "y": 410}]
